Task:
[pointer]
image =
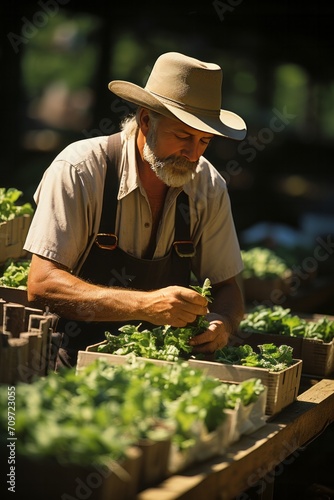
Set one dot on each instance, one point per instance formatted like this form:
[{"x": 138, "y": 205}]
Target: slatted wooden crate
[
  {"x": 11, "y": 294},
  {"x": 25, "y": 342},
  {"x": 317, "y": 356},
  {"x": 282, "y": 386},
  {"x": 238, "y": 422},
  {"x": 46, "y": 478},
  {"x": 12, "y": 237}
]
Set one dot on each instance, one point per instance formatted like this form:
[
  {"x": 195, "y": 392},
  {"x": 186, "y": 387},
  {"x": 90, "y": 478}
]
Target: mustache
[{"x": 178, "y": 163}]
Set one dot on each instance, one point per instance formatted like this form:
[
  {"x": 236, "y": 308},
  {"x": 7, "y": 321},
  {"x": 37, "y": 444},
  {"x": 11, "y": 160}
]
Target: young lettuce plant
[
  {"x": 163, "y": 342},
  {"x": 201, "y": 323}
]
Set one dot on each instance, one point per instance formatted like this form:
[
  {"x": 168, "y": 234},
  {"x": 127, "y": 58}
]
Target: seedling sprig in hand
[{"x": 201, "y": 323}]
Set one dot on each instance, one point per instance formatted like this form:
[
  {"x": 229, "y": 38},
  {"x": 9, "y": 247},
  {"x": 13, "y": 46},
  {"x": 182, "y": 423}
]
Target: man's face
[{"x": 173, "y": 149}]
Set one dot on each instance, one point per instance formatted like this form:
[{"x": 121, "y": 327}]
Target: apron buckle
[
  {"x": 184, "y": 248},
  {"x": 107, "y": 241}
]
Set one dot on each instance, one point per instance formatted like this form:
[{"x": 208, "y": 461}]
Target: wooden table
[{"x": 254, "y": 458}]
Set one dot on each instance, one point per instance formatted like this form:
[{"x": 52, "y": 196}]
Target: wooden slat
[
  {"x": 251, "y": 460},
  {"x": 34, "y": 356},
  {"x": 14, "y": 359},
  {"x": 42, "y": 324},
  {"x": 13, "y": 318}
]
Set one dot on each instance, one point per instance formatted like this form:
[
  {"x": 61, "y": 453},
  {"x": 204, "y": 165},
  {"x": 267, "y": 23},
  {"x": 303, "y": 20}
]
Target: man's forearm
[
  {"x": 71, "y": 297},
  {"x": 52, "y": 285}
]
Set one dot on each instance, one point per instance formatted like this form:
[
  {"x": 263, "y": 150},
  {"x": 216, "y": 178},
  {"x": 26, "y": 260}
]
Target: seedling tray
[
  {"x": 317, "y": 356},
  {"x": 91, "y": 354},
  {"x": 242, "y": 420},
  {"x": 282, "y": 386}
]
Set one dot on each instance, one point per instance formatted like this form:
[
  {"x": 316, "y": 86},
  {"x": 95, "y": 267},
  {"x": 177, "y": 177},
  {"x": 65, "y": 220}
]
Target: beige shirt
[{"x": 69, "y": 204}]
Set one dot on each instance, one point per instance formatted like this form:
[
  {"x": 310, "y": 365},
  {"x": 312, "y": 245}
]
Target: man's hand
[
  {"x": 214, "y": 338},
  {"x": 226, "y": 312},
  {"x": 174, "y": 305}
]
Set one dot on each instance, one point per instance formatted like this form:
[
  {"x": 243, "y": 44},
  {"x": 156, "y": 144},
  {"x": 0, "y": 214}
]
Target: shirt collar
[{"x": 129, "y": 178}]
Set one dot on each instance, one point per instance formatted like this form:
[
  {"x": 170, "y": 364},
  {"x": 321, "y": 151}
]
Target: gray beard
[{"x": 174, "y": 172}]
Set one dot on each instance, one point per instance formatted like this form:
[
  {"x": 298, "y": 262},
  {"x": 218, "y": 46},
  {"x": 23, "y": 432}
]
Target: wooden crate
[
  {"x": 282, "y": 386},
  {"x": 254, "y": 339},
  {"x": 317, "y": 356},
  {"x": 12, "y": 237},
  {"x": 88, "y": 356},
  {"x": 46, "y": 478},
  {"x": 17, "y": 295},
  {"x": 259, "y": 290},
  {"x": 154, "y": 462},
  {"x": 242, "y": 420},
  {"x": 25, "y": 342}
]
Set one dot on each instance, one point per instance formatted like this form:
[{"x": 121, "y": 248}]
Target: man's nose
[{"x": 191, "y": 151}]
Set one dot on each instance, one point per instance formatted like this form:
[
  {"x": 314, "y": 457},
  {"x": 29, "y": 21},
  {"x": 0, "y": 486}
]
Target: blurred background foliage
[{"x": 59, "y": 55}]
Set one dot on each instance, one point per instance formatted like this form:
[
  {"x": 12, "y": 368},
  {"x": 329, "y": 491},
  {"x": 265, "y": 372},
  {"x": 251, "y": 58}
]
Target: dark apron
[{"x": 107, "y": 264}]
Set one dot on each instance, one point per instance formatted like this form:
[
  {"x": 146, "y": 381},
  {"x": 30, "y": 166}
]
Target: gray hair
[
  {"x": 129, "y": 126},
  {"x": 130, "y": 123}
]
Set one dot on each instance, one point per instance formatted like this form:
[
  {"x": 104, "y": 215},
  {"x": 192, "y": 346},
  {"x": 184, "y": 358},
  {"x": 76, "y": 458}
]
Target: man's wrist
[{"x": 222, "y": 319}]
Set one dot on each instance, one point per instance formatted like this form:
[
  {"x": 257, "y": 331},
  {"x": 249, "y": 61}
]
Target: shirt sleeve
[
  {"x": 218, "y": 254},
  {"x": 66, "y": 206}
]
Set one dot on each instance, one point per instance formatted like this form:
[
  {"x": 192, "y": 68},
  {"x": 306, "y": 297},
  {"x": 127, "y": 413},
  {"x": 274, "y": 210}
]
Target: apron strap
[
  {"x": 111, "y": 185},
  {"x": 183, "y": 245}
]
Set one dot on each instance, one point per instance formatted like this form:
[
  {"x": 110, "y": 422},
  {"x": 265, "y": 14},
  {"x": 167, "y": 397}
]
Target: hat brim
[{"x": 227, "y": 124}]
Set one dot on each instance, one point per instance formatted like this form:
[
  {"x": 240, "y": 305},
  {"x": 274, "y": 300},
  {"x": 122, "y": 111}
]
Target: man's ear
[{"x": 144, "y": 120}]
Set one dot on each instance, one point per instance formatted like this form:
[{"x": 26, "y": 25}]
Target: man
[{"x": 120, "y": 227}]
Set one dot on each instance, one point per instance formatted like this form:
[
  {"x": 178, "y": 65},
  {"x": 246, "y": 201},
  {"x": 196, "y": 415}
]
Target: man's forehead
[{"x": 179, "y": 126}]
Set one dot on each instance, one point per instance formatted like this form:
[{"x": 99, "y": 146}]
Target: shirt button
[{"x": 147, "y": 224}]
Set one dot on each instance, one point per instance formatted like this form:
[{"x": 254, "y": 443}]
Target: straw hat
[{"x": 188, "y": 89}]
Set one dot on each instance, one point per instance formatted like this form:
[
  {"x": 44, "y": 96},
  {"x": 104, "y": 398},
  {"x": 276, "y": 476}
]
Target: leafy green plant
[
  {"x": 322, "y": 329},
  {"x": 15, "y": 274},
  {"x": 163, "y": 342},
  {"x": 263, "y": 263},
  {"x": 204, "y": 290},
  {"x": 274, "y": 358},
  {"x": 8, "y": 207},
  {"x": 246, "y": 392},
  {"x": 281, "y": 321},
  {"x": 95, "y": 414},
  {"x": 60, "y": 418}
]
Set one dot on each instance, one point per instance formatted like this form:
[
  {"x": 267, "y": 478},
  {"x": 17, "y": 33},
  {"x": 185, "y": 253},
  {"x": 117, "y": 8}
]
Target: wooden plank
[
  {"x": 34, "y": 356},
  {"x": 252, "y": 460},
  {"x": 13, "y": 318},
  {"x": 42, "y": 324},
  {"x": 17, "y": 295},
  {"x": 14, "y": 357}
]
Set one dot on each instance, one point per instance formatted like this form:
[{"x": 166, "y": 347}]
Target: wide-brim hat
[{"x": 185, "y": 88}]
